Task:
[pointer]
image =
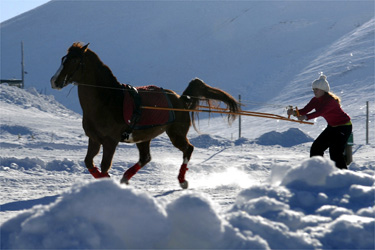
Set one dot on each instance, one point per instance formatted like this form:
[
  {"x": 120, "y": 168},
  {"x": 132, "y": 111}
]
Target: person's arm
[
  {"x": 310, "y": 106},
  {"x": 301, "y": 115},
  {"x": 328, "y": 107}
]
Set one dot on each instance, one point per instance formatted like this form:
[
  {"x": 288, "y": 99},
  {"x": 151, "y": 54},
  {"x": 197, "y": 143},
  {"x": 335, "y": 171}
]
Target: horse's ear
[{"x": 84, "y": 48}]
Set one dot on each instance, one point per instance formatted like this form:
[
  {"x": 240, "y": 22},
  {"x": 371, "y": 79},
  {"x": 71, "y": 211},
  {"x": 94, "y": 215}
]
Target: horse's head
[{"x": 70, "y": 70}]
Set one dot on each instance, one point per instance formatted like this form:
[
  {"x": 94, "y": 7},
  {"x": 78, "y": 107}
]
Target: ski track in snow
[{"x": 220, "y": 172}]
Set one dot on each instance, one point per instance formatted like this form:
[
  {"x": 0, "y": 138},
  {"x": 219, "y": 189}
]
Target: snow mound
[
  {"x": 306, "y": 207},
  {"x": 103, "y": 214},
  {"x": 206, "y": 141},
  {"x": 38, "y": 164},
  {"x": 15, "y": 129},
  {"x": 289, "y": 138}
]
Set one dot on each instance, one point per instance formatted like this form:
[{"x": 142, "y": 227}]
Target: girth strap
[{"x": 137, "y": 112}]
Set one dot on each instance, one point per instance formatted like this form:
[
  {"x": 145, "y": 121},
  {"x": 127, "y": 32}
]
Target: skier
[{"x": 335, "y": 136}]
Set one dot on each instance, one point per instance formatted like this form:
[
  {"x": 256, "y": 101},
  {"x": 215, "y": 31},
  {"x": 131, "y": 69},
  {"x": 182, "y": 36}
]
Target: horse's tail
[{"x": 199, "y": 91}]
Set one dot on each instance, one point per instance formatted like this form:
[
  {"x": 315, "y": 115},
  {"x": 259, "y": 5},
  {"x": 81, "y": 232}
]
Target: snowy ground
[{"x": 248, "y": 193}]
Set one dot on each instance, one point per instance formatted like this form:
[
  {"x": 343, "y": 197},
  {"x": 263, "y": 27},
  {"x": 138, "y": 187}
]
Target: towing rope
[
  {"x": 225, "y": 111},
  {"x": 212, "y": 109}
]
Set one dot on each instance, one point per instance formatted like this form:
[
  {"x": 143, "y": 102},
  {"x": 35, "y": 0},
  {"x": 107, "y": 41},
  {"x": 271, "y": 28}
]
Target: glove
[
  {"x": 290, "y": 112},
  {"x": 302, "y": 117}
]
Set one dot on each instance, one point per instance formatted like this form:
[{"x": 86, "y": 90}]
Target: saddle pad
[{"x": 150, "y": 96}]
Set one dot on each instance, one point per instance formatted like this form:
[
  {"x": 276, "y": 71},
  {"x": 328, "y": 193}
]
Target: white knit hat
[{"x": 321, "y": 83}]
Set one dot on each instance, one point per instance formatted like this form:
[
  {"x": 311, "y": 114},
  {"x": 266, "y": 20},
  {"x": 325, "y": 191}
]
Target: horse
[{"x": 101, "y": 98}]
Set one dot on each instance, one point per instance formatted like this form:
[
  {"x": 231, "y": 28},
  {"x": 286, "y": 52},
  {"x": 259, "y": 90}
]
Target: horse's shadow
[
  {"x": 27, "y": 204},
  {"x": 167, "y": 193},
  {"x": 213, "y": 155}
]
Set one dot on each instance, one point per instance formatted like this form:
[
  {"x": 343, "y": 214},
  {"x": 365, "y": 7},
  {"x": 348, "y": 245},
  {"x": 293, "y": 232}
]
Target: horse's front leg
[
  {"x": 92, "y": 150},
  {"x": 144, "y": 158},
  {"x": 109, "y": 148}
]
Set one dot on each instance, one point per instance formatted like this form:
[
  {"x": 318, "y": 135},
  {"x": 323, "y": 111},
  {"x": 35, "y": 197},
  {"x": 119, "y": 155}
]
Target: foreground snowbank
[{"x": 313, "y": 205}]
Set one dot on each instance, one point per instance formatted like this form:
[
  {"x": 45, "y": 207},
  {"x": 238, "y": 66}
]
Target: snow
[
  {"x": 261, "y": 191},
  {"x": 243, "y": 194},
  {"x": 289, "y": 138}
]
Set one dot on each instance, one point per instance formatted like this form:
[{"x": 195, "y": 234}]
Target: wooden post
[
  {"x": 367, "y": 121},
  {"x": 22, "y": 67}
]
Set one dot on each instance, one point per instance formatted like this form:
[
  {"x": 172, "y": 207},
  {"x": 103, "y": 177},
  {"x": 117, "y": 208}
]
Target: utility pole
[{"x": 22, "y": 67}]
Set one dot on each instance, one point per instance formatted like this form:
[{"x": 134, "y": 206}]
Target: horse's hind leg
[
  {"x": 180, "y": 141},
  {"x": 144, "y": 158}
]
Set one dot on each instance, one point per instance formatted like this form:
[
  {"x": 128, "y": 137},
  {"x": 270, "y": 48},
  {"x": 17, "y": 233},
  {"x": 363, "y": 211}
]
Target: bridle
[{"x": 67, "y": 79}]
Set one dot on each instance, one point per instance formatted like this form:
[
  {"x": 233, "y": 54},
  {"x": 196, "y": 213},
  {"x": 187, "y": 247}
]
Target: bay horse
[{"x": 102, "y": 97}]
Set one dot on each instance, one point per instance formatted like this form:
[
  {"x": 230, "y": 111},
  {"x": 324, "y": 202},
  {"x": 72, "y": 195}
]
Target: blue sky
[{"x": 12, "y": 8}]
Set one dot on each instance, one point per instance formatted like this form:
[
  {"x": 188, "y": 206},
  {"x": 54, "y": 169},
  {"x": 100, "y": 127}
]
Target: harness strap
[{"x": 137, "y": 112}]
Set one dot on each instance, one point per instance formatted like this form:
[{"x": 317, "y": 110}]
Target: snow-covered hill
[
  {"x": 252, "y": 48},
  {"x": 349, "y": 65}
]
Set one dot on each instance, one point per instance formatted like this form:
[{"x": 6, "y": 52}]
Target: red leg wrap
[
  {"x": 181, "y": 176},
  {"x": 131, "y": 171},
  {"x": 97, "y": 174}
]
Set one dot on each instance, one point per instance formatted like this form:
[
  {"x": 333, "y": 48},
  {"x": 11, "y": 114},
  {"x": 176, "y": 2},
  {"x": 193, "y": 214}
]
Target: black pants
[{"x": 335, "y": 139}]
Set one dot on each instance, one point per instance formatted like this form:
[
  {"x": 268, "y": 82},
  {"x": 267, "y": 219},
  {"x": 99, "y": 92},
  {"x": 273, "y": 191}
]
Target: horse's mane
[{"x": 76, "y": 50}]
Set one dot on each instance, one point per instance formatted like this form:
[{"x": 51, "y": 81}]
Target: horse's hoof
[
  {"x": 184, "y": 185},
  {"x": 124, "y": 181}
]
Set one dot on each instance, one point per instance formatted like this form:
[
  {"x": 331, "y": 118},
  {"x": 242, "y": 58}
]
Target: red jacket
[{"x": 327, "y": 107}]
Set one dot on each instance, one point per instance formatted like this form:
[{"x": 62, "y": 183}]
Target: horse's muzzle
[{"x": 56, "y": 83}]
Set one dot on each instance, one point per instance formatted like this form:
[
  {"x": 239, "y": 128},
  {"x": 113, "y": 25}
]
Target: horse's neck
[
  {"x": 105, "y": 78},
  {"x": 100, "y": 88},
  {"x": 100, "y": 74}
]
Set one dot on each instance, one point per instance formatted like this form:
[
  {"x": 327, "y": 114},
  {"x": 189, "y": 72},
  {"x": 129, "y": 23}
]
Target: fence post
[
  {"x": 348, "y": 153},
  {"x": 367, "y": 121}
]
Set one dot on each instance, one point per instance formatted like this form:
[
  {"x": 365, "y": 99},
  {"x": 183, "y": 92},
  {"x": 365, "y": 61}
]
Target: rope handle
[
  {"x": 225, "y": 111},
  {"x": 297, "y": 112},
  {"x": 291, "y": 108}
]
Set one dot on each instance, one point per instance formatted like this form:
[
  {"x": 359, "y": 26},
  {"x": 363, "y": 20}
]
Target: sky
[{"x": 12, "y": 8}]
